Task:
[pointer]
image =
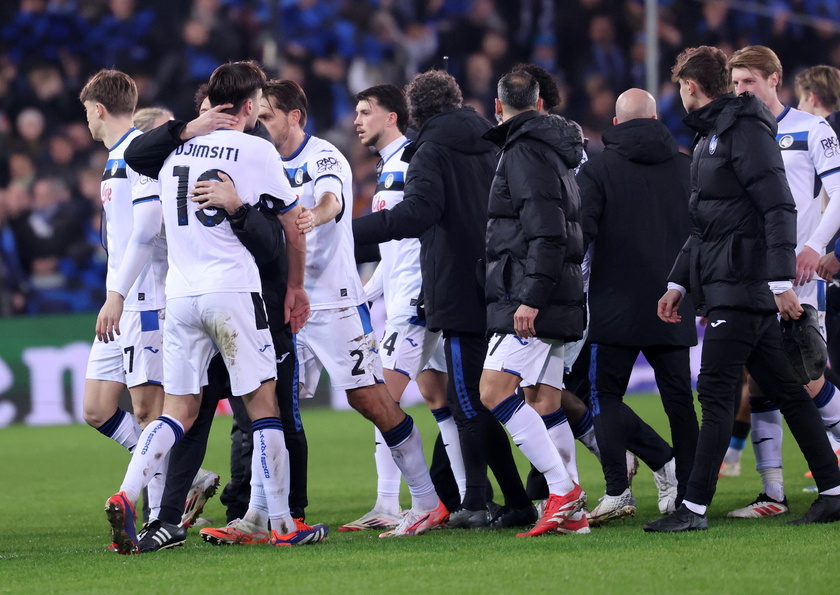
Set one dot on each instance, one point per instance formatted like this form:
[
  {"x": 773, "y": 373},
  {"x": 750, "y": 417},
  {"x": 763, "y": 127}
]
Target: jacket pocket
[
  {"x": 497, "y": 284},
  {"x": 716, "y": 260}
]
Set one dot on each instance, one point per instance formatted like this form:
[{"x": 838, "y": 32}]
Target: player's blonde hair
[
  {"x": 824, "y": 82},
  {"x": 757, "y": 58},
  {"x": 147, "y": 118}
]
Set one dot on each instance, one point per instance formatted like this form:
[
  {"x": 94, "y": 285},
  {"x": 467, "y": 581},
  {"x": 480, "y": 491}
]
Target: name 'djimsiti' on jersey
[{"x": 208, "y": 152}]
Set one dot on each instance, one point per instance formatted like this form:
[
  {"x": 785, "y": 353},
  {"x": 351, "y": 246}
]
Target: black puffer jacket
[
  {"x": 634, "y": 197},
  {"x": 742, "y": 213},
  {"x": 534, "y": 238},
  {"x": 445, "y": 205}
]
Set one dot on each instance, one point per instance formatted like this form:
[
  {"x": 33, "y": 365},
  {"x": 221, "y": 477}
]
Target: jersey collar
[
  {"x": 393, "y": 148},
  {"x": 299, "y": 149},
  {"x": 783, "y": 114},
  {"x": 122, "y": 138}
]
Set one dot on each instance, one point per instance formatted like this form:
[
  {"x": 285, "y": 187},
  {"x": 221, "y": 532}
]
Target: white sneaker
[
  {"x": 375, "y": 519},
  {"x": 666, "y": 482},
  {"x": 761, "y": 507},
  {"x": 416, "y": 522},
  {"x": 730, "y": 469},
  {"x": 204, "y": 486},
  {"x": 613, "y": 507}
]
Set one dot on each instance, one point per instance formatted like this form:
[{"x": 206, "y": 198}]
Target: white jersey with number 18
[{"x": 204, "y": 254}]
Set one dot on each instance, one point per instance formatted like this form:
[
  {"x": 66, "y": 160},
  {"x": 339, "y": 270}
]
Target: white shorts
[
  {"x": 341, "y": 341},
  {"x": 410, "y": 348},
  {"x": 199, "y": 327},
  {"x": 536, "y": 361},
  {"x": 135, "y": 357}
]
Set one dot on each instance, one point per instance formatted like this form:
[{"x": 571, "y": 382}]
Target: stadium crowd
[
  {"x": 532, "y": 242},
  {"x": 49, "y": 166}
]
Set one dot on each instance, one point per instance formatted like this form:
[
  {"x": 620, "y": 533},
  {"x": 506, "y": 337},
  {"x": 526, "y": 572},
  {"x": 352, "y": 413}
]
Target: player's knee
[{"x": 95, "y": 417}]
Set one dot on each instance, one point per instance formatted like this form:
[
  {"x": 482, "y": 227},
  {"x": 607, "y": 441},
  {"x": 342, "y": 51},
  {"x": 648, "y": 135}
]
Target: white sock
[
  {"x": 564, "y": 441},
  {"x": 829, "y": 407},
  {"x": 271, "y": 461},
  {"x": 123, "y": 429},
  {"x": 774, "y": 486},
  {"x": 155, "y": 441},
  {"x": 257, "y": 512},
  {"x": 388, "y": 476},
  {"x": 591, "y": 444},
  {"x": 155, "y": 489},
  {"x": 733, "y": 455},
  {"x": 452, "y": 444},
  {"x": 407, "y": 449},
  {"x": 128, "y": 433},
  {"x": 695, "y": 508},
  {"x": 767, "y": 435},
  {"x": 528, "y": 432}
]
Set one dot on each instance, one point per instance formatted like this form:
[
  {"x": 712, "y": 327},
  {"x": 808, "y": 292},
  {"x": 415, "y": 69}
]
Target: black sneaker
[
  {"x": 825, "y": 509},
  {"x": 159, "y": 535},
  {"x": 508, "y": 516},
  {"x": 468, "y": 519},
  {"x": 682, "y": 519}
]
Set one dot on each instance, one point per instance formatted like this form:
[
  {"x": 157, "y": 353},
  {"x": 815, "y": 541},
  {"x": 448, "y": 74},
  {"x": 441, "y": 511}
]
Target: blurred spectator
[
  {"x": 125, "y": 38},
  {"x": 13, "y": 283},
  {"x": 332, "y": 48}
]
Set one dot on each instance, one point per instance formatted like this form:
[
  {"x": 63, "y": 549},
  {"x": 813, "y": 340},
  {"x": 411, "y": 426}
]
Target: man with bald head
[{"x": 634, "y": 197}]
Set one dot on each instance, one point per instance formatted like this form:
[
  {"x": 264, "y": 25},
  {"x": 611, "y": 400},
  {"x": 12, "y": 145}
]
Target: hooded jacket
[
  {"x": 634, "y": 197},
  {"x": 445, "y": 205},
  {"x": 743, "y": 216},
  {"x": 534, "y": 238}
]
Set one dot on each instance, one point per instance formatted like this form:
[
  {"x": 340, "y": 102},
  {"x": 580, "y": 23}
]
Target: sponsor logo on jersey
[
  {"x": 713, "y": 145},
  {"x": 786, "y": 141},
  {"x": 830, "y": 146},
  {"x": 328, "y": 164}
]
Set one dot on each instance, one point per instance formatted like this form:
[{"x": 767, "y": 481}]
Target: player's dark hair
[
  {"x": 113, "y": 89},
  {"x": 235, "y": 83},
  {"x": 706, "y": 66},
  {"x": 432, "y": 93},
  {"x": 286, "y": 96},
  {"x": 391, "y": 99},
  {"x": 549, "y": 91},
  {"x": 200, "y": 96},
  {"x": 518, "y": 91}
]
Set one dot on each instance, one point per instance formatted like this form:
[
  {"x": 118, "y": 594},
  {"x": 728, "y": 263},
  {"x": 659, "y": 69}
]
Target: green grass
[{"x": 53, "y": 532}]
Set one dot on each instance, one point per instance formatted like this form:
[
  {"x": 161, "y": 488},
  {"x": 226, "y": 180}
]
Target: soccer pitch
[{"x": 55, "y": 482}]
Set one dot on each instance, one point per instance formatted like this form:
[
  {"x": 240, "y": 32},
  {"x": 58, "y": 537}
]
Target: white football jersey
[
  {"x": 121, "y": 189},
  {"x": 400, "y": 262},
  {"x": 811, "y": 156},
  {"x": 332, "y": 280},
  {"x": 204, "y": 254}
]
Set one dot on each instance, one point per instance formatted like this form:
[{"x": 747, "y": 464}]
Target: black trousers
[
  {"x": 642, "y": 440},
  {"x": 735, "y": 339},
  {"x": 484, "y": 442},
  {"x": 186, "y": 457},
  {"x": 610, "y": 369}
]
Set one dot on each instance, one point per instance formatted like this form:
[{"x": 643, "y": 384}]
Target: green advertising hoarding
[{"x": 42, "y": 368}]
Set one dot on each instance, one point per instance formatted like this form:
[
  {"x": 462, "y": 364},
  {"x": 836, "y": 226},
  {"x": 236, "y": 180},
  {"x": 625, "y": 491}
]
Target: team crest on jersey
[
  {"x": 786, "y": 141},
  {"x": 299, "y": 177},
  {"x": 713, "y": 145},
  {"x": 114, "y": 167},
  {"x": 389, "y": 181}
]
